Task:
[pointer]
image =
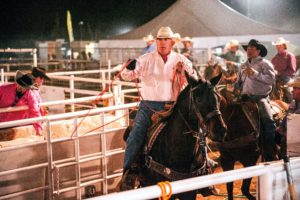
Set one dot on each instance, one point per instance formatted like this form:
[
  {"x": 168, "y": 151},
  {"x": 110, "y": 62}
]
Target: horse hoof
[
  {"x": 208, "y": 191},
  {"x": 250, "y": 196},
  {"x": 130, "y": 181}
]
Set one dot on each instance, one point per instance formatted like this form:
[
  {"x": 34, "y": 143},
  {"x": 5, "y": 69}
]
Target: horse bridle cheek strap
[
  {"x": 209, "y": 116},
  {"x": 199, "y": 116}
]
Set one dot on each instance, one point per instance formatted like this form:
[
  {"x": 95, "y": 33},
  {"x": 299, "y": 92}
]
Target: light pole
[{"x": 80, "y": 29}]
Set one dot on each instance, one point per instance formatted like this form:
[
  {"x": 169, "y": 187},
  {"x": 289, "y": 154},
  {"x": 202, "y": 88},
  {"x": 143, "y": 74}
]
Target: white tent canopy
[
  {"x": 202, "y": 18},
  {"x": 210, "y": 23}
]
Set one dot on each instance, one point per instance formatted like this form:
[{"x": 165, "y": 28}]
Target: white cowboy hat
[
  {"x": 280, "y": 41},
  {"x": 186, "y": 39},
  {"x": 176, "y": 37},
  {"x": 165, "y": 32},
  {"x": 295, "y": 83},
  {"x": 148, "y": 38},
  {"x": 233, "y": 43}
]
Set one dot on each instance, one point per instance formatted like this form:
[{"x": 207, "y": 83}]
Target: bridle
[{"x": 202, "y": 121}]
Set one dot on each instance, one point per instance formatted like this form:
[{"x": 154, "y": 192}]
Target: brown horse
[
  {"x": 242, "y": 139},
  {"x": 212, "y": 69},
  {"x": 281, "y": 92}
]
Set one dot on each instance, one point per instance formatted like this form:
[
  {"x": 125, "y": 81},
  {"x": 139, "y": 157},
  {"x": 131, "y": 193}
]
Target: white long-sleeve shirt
[{"x": 156, "y": 76}]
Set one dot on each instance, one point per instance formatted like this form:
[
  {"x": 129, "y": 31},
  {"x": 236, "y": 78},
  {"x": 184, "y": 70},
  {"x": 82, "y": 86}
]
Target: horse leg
[
  {"x": 250, "y": 161},
  {"x": 228, "y": 164},
  {"x": 130, "y": 180},
  {"x": 246, "y": 188},
  {"x": 185, "y": 196}
]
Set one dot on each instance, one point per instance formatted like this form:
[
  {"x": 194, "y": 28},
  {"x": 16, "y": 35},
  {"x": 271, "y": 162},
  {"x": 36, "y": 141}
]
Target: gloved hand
[
  {"x": 179, "y": 67},
  {"x": 249, "y": 71},
  {"x": 131, "y": 64}
]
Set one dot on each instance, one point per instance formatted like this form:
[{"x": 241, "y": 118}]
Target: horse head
[{"x": 206, "y": 102}]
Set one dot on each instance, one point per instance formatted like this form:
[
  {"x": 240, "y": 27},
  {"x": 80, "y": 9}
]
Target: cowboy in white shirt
[{"x": 157, "y": 73}]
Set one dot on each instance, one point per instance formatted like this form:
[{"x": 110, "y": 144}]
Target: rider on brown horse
[
  {"x": 293, "y": 108},
  {"x": 160, "y": 85},
  {"x": 285, "y": 65},
  {"x": 255, "y": 81}
]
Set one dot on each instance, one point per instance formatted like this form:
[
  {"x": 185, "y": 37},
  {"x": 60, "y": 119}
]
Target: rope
[
  {"x": 179, "y": 76},
  {"x": 107, "y": 123},
  {"x": 214, "y": 154},
  {"x": 98, "y": 97},
  {"x": 163, "y": 187}
]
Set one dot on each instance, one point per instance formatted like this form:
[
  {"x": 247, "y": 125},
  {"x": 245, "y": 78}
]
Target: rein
[{"x": 98, "y": 98}]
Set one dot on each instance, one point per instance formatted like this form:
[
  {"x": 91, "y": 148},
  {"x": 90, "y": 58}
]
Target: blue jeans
[{"x": 138, "y": 133}]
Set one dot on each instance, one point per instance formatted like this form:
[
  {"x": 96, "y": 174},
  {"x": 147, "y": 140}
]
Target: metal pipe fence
[
  {"x": 52, "y": 166},
  {"x": 266, "y": 173}
]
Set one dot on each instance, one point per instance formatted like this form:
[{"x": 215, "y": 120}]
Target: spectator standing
[
  {"x": 187, "y": 50},
  {"x": 177, "y": 39},
  {"x": 150, "y": 42},
  {"x": 20, "y": 93}
]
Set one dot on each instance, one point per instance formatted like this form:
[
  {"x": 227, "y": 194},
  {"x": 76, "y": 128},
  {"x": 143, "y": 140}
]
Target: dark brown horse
[
  {"x": 229, "y": 75},
  {"x": 242, "y": 139},
  {"x": 281, "y": 92},
  {"x": 177, "y": 151}
]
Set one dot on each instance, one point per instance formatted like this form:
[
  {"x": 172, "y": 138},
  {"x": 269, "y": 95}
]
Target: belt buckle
[{"x": 148, "y": 160}]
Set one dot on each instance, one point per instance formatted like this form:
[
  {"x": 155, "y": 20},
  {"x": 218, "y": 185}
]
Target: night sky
[{"x": 23, "y": 21}]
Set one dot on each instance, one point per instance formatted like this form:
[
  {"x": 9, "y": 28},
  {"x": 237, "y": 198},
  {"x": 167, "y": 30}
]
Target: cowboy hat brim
[
  {"x": 40, "y": 72},
  {"x": 23, "y": 81},
  {"x": 295, "y": 83},
  {"x": 259, "y": 46}
]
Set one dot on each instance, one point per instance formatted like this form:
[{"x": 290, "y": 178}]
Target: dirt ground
[
  {"x": 221, "y": 188},
  {"x": 222, "y": 195}
]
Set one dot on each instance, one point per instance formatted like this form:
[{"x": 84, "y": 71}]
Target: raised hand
[
  {"x": 179, "y": 67},
  {"x": 249, "y": 71},
  {"x": 131, "y": 64}
]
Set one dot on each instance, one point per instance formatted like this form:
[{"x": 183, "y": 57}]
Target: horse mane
[{"x": 183, "y": 94}]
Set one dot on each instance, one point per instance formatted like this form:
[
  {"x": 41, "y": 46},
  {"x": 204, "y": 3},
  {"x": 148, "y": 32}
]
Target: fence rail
[
  {"x": 52, "y": 165},
  {"x": 266, "y": 173}
]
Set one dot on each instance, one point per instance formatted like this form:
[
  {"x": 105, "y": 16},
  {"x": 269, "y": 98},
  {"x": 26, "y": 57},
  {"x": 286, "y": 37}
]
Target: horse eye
[{"x": 198, "y": 100}]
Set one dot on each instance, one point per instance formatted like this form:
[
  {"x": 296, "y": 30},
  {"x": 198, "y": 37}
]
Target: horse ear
[
  {"x": 189, "y": 79},
  {"x": 215, "y": 80}
]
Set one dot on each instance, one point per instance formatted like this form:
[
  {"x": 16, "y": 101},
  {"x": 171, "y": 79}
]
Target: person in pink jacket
[
  {"x": 39, "y": 75},
  {"x": 20, "y": 93}
]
